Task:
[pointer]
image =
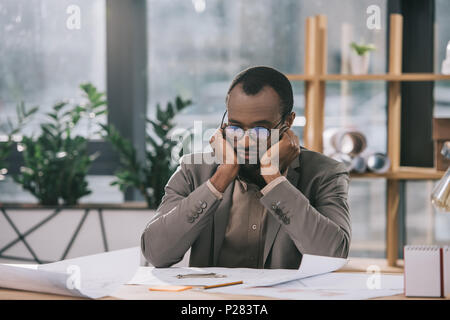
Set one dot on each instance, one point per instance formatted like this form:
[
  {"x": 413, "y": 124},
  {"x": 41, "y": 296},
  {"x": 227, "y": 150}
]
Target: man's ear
[{"x": 290, "y": 119}]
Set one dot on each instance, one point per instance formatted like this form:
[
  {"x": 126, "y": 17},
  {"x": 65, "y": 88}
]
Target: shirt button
[{"x": 254, "y": 227}]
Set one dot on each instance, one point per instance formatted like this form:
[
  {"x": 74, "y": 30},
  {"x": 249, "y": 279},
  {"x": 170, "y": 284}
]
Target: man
[{"x": 267, "y": 214}]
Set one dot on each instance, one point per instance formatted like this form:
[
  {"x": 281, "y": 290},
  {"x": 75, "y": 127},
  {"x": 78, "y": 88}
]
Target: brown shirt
[{"x": 243, "y": 245}]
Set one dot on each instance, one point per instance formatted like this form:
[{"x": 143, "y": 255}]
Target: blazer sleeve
[
  {"x": 321, "y": 230},
  {"x": 180, "y": 218}
]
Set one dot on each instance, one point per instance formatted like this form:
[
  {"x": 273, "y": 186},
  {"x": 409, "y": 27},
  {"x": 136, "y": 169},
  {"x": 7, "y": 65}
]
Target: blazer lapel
[
  {"x": 273, "y": 226},
  {"x": 292, "y": 174},
  {"x": 221, "y": 220},
  {"x": 271, "y": 231}
]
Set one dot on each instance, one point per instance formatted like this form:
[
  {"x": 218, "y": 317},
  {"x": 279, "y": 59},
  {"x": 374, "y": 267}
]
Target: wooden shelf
[
  {"x": 387, "y": 77},
  {"x": 301, "y": 77},
  {"x": 404, "y": 173},
  {"x": 370, "y": 77},
  {"x": 315, "y": 80}
]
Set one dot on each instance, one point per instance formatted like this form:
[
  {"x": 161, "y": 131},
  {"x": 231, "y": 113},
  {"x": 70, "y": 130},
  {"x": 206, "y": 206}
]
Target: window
[
  {"x": 196, "y": 47},
  {"x": 424, "y": 224},
  {"x": 44, "y": 58},
  {"x": 367, "y": 202}
]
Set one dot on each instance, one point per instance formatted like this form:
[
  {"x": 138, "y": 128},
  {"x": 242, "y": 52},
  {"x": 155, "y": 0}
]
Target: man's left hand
[{"x": 280, "y": 156}]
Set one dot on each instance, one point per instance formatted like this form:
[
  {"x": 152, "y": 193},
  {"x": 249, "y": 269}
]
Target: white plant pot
[{"x": 359, "y": 64}]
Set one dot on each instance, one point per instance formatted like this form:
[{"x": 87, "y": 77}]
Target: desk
[{"x": 141, "y": 292}]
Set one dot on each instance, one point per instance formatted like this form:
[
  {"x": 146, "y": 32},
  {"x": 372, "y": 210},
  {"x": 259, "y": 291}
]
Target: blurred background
[{"x": 143, "y": 53}]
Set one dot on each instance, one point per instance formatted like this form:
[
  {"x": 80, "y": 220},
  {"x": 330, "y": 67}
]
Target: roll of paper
[
  {"x": 351, "y": 142},
  {"x": 378, "y": 162},
  {"x": 359, "y": 164}
]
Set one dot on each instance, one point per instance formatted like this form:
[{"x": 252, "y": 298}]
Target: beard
[
  {"x": 252, "y": 174},
  {"x": 250, "y": 168}
]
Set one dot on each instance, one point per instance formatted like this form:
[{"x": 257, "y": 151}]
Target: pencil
[{"x": 223, "y": 285}]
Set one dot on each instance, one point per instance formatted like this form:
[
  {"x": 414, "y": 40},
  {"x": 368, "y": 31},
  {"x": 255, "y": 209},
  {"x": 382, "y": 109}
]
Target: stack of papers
[
  {"x": 92, "y": 276},
  {"x": 332, "y": 286},
  {"x": 311, "y": 265},
  {"x": 314, "y": 279}
]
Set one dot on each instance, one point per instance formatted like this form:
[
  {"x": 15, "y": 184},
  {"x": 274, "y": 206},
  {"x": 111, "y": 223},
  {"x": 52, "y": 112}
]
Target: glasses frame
[{"x": 245, "y": 131}]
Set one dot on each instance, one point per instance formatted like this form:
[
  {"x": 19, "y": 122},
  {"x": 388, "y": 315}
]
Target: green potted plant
[
  {"x": 56, "y": 161},
  {"x": 150, "y": 175},
  {"x": 360, "y": 57}
]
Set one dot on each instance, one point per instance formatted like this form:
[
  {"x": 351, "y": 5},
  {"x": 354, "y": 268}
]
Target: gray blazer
[{"x": 308, "y": 214}]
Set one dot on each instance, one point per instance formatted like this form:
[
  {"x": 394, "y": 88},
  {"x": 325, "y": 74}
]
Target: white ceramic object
[{"x": 359, "y": 64}]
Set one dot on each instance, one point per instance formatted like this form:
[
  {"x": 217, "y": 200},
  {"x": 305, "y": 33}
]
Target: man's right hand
[{"x": 226, "y": 158}]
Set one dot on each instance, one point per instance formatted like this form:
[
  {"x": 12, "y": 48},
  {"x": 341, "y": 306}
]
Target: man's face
[{"x": 249, "y": 111}]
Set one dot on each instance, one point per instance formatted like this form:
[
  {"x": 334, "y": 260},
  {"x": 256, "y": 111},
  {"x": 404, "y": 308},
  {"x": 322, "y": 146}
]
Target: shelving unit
[{"x": 315, "y": 79}]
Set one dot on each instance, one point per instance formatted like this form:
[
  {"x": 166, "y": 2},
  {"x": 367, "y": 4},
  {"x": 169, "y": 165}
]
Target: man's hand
[
  {"x": 280, "y": 156},
  {"x": 227, "y": 159}
]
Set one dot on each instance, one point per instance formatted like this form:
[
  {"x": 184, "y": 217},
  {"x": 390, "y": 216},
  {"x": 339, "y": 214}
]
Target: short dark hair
[{"x": 254, "y": 79}]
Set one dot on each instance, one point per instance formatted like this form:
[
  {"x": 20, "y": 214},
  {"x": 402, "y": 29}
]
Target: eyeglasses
[{"x": 233, "y": 132}]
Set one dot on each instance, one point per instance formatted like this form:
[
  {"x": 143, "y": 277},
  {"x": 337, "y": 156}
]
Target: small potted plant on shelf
[{"x": 360, "y": 57}]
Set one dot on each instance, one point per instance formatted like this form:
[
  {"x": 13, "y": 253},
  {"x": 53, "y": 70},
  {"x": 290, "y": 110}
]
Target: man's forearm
[
  {"x": 176, "y": 226},
  {"x": 322, "y": 230}
]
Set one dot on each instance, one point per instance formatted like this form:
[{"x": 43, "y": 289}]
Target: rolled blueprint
[
  {"x": 378, "y": 162},
  {"x": 358, "y": 164},
  {"x": 351, "y": 142}
]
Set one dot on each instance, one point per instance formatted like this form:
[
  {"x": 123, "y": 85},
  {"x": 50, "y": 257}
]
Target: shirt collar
[{"x": 242, "y": 183}]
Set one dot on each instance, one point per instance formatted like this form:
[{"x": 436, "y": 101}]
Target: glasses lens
[
  {"x": 234, "y": 132},
  {"x": 259, "y": 133}
]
